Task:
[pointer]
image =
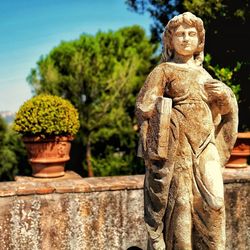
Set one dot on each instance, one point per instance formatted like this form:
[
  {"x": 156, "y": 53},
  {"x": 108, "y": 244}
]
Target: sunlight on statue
[{"x": 188, "y": 125}]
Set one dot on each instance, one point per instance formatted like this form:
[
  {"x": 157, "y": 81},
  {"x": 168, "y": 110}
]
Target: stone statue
[{"x": 188, "y": 125}]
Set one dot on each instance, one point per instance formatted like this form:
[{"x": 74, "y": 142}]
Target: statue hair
[{"x": 189, "y": 19}]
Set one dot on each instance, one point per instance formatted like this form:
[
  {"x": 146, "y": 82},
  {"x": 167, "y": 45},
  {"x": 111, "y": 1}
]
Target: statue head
[{"x": 191, "y": 20}]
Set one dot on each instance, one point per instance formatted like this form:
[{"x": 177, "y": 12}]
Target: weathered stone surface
[
  {"x": 91, "y": 213},
  {"x": 237, "y": 215},
  {"x": 188, "y": 125},
  {"x": 107, "y": 219},
  {"x": 5, "y": 224},
  {"x": 69, "y": 175},
  {"x": 75, "y": 221},
  {"x": 234, "y": 175}
]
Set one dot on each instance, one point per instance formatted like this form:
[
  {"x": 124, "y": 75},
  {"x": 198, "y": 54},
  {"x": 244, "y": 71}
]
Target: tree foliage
[
  {"x": 100, "y": 75},
  {"x": 13, "y": 159},
  {"x": 224, "y": 74},
  {"x": 226, "y": 23},
  {"x": 161, "y": 11},
  {"x": 227, "y": 35}
]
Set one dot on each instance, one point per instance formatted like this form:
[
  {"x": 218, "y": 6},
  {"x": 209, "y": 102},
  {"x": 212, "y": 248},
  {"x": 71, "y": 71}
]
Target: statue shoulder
[
  {"x": 205, "y": 73},
  {"x": 163, "y": 70}
]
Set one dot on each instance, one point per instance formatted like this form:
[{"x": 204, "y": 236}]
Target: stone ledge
[
  {"x": 238, "y": 175},
  {"x": 69, "y": 175},
  {"x": 70, "y": 183},
  {"x": 74, "y": 183}
]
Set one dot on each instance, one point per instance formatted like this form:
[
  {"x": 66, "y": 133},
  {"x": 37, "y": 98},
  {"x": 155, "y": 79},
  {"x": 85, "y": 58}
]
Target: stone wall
[
  {"x": 97, "y": 213},
  {"x": 237, "y": 199}
]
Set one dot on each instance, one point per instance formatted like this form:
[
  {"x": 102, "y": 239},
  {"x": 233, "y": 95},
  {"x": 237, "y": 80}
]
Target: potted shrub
[{"x": 47, "y": 124}]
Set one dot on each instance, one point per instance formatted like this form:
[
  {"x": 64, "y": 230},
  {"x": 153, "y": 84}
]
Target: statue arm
[
  {"x": 220, "y": 96},
  {"x": 223, "y": 104},
  {"x": 147, "y": 97},
  {"x": 152, "y": 89}
]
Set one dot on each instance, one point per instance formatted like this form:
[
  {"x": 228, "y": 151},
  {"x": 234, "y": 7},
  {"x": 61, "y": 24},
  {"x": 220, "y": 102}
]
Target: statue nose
[{"x": 185, "y": 37}]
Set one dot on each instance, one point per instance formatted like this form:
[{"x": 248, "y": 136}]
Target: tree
[
  {"x": 100, "y": 75},
  {"x": 161, "y": 11},
  {"x": 226, "y": 23},
  {"x": 13, "y": 158},
  {"x": 227, "y": 35},
  {"x": 7, "y": 157}
]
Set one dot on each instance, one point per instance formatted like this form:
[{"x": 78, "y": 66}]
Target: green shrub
[
  {"x": 47, "y": 115},
  {"x": 225, "y": 74}
]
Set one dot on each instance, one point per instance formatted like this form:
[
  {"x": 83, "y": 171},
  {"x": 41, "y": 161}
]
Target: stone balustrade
[{"x": 98, "y": 213}]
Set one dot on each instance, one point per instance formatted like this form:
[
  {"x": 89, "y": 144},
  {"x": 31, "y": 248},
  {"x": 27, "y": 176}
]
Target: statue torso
[{"x": 186, "y": 87}]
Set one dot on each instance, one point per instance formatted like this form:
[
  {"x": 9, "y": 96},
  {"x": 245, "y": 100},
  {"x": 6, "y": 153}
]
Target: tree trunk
[{"x": 88, "y": 159}]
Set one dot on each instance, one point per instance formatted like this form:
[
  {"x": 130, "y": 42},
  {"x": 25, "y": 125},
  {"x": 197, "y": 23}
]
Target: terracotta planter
[
  {"x": 240, "y": 152},
  {"x": 48, "y": 156}
]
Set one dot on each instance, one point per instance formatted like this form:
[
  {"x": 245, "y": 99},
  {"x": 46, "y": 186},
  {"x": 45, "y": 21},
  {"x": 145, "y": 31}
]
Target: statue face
[{"x": 185, "y": 40}]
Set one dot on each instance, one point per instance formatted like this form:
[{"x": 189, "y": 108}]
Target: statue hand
[
  {"x": 214, "y": 87},
  {"x": 219, "y": 94}
]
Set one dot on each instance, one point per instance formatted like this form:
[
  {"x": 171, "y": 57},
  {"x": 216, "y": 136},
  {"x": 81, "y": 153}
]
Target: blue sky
[{"x": 31, "y": 28}]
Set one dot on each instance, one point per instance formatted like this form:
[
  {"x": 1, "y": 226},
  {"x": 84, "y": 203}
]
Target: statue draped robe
[{"x": 183, "y": 190}]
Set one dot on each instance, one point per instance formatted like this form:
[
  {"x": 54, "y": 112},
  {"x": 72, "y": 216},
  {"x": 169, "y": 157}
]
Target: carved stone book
[{"x": 158, "y": 130}]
